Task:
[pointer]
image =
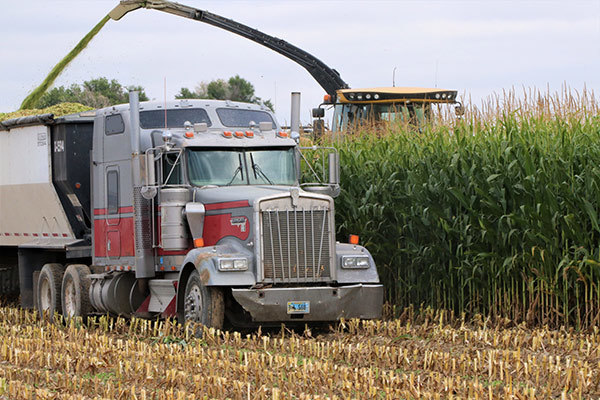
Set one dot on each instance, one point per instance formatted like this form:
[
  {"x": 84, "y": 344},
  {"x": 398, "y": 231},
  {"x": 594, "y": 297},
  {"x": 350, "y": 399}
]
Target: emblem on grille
[{"x": 295, "y": 193}]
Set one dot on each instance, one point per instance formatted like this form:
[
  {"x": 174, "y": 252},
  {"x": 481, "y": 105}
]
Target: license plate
[{"x": 298, "y": 307}]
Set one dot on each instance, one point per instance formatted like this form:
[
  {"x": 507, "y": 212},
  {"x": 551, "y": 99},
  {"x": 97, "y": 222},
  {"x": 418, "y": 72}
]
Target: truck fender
[{"x": 204, "y": 260}]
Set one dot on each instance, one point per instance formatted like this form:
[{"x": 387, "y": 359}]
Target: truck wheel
[
  {"x": 49, "y": 284},
  {"x": 75, "y": 293},
  {"x": 203, "y": 304}
]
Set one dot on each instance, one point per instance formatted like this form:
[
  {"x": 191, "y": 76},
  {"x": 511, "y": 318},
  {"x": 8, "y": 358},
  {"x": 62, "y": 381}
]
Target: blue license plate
[{"x": 298, "y": 307}]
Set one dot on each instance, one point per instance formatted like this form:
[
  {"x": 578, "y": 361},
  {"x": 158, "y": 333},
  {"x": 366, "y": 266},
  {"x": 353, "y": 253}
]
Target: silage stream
[{"x": 32, "y": 99}]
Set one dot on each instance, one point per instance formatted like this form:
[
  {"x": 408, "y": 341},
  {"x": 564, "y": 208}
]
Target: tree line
[{"x": 102, "y": 92}]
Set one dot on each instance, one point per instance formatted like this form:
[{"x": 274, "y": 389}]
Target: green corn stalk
[{"x": 464, "y": 213}]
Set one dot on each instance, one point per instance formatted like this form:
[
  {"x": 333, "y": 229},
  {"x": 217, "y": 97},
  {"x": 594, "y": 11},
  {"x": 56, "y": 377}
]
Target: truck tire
[
  {"x": 9, "y": 282},
  {"x": 75, "y": 291},
  {"x": 48, "y": 287},
  {"x": 203, "y": 304}
]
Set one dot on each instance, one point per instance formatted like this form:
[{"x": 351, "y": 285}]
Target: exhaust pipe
[
  {"x": 295, "y": 117},
  {"x": 134, "y": 114}
]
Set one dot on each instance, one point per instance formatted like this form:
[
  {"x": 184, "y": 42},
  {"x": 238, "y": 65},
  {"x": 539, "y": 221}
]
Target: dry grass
[{"x": 422, "y": 358}]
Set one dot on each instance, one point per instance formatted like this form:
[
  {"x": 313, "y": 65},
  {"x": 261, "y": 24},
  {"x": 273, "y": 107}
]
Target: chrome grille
[{"x": 296, "y": 245}]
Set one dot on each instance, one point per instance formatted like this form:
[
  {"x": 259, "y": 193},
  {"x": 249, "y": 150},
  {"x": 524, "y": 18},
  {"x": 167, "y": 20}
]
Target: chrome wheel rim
[
  {"x": 45, "y": 295},
  {"x": 193, "y": 305},
  {"x": 69, "y": 299}
]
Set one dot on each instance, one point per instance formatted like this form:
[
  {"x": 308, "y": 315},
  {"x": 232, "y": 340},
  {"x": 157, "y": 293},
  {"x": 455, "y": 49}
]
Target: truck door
[{"x": 118, "y": 192}]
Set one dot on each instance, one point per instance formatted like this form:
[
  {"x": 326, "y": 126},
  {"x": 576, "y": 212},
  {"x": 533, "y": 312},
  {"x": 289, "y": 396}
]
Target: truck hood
[{"x": 226, "y": 195}]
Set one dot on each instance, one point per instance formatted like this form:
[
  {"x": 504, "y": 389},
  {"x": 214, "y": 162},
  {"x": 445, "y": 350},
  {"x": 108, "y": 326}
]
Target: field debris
[{"x": 428, "y": 358}]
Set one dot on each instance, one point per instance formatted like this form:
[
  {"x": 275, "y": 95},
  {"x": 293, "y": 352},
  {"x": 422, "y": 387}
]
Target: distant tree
[
  {"x": 186, "y": 93},
  {"x": 96, "y": 93},
  {"x": 235, "y": 88},
  {"x": 240, "y": 89}
]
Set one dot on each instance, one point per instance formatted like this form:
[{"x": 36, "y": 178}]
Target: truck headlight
[
  {"x": 233, "y": 264},
  {"x": 355, "y": 262}
]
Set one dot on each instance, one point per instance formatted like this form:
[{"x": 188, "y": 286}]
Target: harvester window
[
  {"x": 232, "y": 117},
  {"x": 154, "y": 119},
  {"x": 112, "y": 192},
  {"x": 113, "y": 124}
]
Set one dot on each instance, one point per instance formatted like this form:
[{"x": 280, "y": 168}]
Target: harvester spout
[{"x": 124, "y": 7}]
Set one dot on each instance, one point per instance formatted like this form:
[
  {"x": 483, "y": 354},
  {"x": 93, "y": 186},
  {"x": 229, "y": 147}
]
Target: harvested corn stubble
[{"x": 427, "y": 358}]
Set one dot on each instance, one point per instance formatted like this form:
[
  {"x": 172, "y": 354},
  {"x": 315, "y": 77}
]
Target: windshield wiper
[
  {"x": 256, "y": 169},
  {"x": 238, "y": 170}
]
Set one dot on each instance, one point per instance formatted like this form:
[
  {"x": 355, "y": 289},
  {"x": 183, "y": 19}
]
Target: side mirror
[
  {"x": 318, "y": 127},
  {"x": 149, "y": 189},
  {"x": 318, "y": 112},
  {"x": 459, "y": 110},
  {"x": 332, "y": 187}
]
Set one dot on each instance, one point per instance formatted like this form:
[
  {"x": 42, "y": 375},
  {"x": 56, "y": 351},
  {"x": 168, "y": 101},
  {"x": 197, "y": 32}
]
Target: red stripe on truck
[
  {"x": 219, "y": 226},
  {"x": 119, "y": 232},
  {"x": 121, "y": 210},
  {"x": 227, "y": 204}
]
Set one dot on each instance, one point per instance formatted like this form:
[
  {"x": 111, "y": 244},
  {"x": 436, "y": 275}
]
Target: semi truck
[
  {"x": 191, "y": 209},
  {"x": 351, "y": 106}
]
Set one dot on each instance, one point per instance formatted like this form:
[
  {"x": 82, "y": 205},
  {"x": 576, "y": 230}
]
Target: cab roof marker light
[
  {"x": 249, "y": 134},
  {"x": 239, "y": 134},
  {"x": 189, "y": 135},
  {"x": 228, "y": 134},
  {"x": 282, "y": 134}
]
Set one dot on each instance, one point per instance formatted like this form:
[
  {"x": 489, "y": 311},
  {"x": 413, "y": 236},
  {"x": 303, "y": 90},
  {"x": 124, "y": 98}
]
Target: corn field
[
  {"x": 428, "y": 355},
  {"x": 493, "y": 213}
]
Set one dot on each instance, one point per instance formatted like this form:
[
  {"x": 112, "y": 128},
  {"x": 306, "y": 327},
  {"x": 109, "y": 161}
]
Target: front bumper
[{"x": 325, "y": 303}]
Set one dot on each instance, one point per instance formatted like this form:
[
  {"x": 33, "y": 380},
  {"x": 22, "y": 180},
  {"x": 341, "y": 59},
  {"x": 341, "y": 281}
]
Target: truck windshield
[{"x": 227, "y": 166}]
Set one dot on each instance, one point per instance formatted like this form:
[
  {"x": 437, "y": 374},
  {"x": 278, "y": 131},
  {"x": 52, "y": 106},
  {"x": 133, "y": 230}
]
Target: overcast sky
[{"x": 476, "y": 47}]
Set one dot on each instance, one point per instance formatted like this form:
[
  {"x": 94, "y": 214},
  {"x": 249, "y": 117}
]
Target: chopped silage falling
[{"x": 32, "y": 99}]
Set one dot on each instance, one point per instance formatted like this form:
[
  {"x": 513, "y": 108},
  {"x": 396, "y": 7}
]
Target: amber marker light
[
  {"x": 249, "y": 134},
  {"x": 283, "y": 134},
  {"x": 327, "y": 98},
  {"x": 199, "y": 242},
  {"x": 189, "y": 135},
  {"x": 239, "y": 134},
  {"x": 353, "y": 239},
  {"x": 228, "y": 134}
]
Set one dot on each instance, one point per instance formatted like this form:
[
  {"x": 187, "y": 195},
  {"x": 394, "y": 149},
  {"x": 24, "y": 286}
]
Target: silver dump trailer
[{"x": 191, "y": 209}]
